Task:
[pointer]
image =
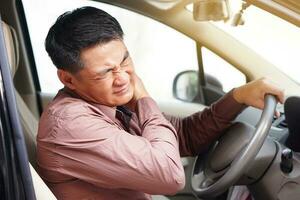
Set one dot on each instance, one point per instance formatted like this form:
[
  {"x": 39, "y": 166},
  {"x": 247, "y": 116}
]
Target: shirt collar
[{"x": 107, "y": 110}]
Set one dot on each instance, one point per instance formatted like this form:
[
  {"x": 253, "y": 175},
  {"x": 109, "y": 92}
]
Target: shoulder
[
  {"x": 65, "y": 106},
  {"x": 69, "y": 117}
]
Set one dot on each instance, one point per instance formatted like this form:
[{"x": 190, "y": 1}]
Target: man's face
[{"x": 106, "y": 76}]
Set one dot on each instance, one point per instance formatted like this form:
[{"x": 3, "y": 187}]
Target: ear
[{"x": 66, "y": 78}]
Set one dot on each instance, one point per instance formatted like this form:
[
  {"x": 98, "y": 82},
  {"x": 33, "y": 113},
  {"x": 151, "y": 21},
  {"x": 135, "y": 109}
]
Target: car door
[{"x": 15, "y": 176}]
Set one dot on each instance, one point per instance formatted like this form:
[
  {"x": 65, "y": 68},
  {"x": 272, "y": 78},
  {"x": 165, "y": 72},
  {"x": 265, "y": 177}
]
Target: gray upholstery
[
  {"x": 30, "y": 127},
  {"x": 12, "y": 47},
  {"x": 28, "y": 121}
]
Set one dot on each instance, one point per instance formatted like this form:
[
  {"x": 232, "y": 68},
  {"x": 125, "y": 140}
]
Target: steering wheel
[{"x": 229, "y": 158}]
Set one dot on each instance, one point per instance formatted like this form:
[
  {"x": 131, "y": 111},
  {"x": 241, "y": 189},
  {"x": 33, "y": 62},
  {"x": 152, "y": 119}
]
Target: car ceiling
[{"x": 288, "y": 10}]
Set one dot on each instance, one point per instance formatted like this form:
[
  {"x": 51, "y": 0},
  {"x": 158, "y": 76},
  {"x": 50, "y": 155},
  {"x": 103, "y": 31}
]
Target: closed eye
[{"x": 103, "y": 74}]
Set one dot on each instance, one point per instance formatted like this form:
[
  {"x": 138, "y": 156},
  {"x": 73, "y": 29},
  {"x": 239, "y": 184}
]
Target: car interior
[
  {"x": 261, "y": 156},
  {"x": 28, "y": 120}
]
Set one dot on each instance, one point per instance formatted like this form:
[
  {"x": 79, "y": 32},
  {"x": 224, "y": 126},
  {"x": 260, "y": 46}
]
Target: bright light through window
[{"x": 276, "y": 40}]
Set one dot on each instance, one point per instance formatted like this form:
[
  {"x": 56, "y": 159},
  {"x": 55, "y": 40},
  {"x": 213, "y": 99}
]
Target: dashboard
[{"x": 279, "y": 130}]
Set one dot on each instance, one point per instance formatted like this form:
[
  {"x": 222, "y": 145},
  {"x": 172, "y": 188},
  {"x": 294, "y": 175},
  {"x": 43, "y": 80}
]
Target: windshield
[{"x": 276, "y": 40}]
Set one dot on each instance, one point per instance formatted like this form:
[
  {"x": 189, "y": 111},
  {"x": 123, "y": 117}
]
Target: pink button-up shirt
[{"x": 85, "y": 152}]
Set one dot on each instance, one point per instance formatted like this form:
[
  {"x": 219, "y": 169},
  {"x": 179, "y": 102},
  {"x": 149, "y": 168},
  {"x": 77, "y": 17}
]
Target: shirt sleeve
[
  {"x": 197, "y": 131},
  {"x": 98, "y": 152}
]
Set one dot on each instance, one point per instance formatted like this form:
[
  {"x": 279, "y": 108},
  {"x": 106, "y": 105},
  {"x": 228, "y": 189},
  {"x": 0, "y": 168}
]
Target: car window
[
  {"x": 158, "y": 55},
  {"x": 275, "y": 39},
  {"x": 223, "y": 71}
]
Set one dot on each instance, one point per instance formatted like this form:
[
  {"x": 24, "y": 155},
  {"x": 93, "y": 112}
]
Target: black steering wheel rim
[{"x": 209, "y": 187}]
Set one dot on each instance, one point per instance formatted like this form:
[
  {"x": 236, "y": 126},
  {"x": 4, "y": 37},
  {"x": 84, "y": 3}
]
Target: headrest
[{"x": 12, "y": 48}]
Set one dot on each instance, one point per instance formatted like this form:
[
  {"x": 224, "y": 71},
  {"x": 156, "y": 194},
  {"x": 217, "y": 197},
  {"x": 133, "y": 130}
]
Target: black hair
[{"x": 78, "y": 29}]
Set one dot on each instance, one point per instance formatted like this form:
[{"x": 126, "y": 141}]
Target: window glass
[
  {"x": 275, "y": 39},
  {"x": 216, "y": 66},
  {"x": 158, "y": 52}
]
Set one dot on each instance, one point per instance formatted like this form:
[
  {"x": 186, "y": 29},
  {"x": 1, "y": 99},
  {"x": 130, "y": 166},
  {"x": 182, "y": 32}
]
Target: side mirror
[{"x": 186, "y": 85}]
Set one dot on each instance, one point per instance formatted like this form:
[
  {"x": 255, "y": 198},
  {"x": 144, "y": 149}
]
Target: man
[{"x": 103, "y": 136}]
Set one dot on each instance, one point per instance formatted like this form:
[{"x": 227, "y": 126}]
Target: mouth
[{"x": 122, "y": 90}]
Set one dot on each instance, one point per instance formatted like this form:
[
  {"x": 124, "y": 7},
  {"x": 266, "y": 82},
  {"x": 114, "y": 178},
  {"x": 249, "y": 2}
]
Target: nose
[
  {"x": 116, "y": 69},
  {"x": 120, "y": 76}
]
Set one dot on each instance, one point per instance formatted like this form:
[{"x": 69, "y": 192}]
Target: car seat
[{"x": 28, "y": 121}]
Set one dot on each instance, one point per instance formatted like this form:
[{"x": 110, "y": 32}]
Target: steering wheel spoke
[{"x": 229, "y": 158}]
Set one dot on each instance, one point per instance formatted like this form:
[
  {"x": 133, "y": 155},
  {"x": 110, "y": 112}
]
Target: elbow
[
  {"x": 176, "y": 187},
  {"x": 175, "y": 184}
]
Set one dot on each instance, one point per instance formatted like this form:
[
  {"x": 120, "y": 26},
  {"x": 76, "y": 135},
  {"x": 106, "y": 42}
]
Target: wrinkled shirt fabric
[{"x": 92, "y": 151}]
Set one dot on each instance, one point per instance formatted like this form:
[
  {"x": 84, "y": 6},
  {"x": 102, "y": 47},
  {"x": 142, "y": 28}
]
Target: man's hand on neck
[{"x": 139, "y": 92}]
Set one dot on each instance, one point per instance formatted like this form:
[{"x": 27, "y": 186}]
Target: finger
[
  {"x": 277, "y": 114},
  {"x": 282, "y": 97},
  {"x": 279, "y": 93}
]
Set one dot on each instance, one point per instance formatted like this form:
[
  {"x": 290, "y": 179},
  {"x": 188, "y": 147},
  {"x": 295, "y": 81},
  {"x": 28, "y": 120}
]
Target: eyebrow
[{"x": 126, "y": 55}]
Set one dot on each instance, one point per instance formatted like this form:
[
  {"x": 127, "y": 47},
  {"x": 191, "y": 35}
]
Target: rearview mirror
[{"x": 214, "y": 10}]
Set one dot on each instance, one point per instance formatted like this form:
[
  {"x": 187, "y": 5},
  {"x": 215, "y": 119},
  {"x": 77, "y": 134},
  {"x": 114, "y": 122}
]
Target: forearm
[
  {"x": 197, "y": 131},
  {"x": 161, "y": 135}
]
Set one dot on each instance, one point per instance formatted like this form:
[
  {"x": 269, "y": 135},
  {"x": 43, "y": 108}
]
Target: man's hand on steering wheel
[
  {"x": 206, "y": 181},
  {"x": 253, "y": 93}
]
